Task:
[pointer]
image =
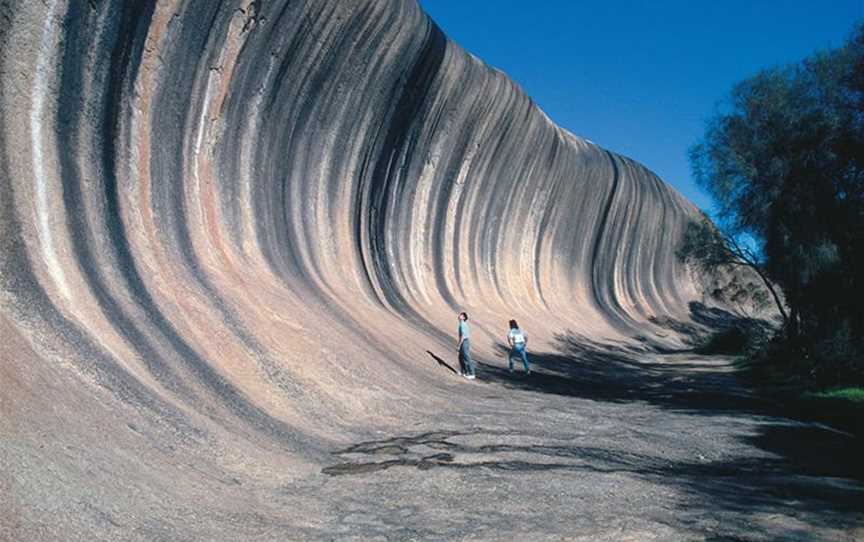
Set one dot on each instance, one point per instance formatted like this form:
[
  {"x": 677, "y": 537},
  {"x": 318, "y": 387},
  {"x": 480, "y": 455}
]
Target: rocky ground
[
  {"x": 666, "y": 448},
  {"x": 595, "y": 445}
]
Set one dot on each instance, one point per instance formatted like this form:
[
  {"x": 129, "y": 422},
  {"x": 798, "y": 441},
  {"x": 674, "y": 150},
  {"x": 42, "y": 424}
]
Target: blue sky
[{"x": 641, "y": 78}]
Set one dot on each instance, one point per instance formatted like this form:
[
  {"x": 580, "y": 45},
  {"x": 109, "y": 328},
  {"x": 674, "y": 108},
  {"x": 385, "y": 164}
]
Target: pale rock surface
[{"x": 234, "y": 236}]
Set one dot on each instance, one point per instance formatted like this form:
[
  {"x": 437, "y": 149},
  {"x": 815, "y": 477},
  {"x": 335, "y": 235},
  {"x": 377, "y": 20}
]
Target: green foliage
[
  {"x": 842, "y": 407},
  {"x": 743, "y": 338},
  {"x": 853, "y": 395},
  {"x": 784, "y": 160},
  {"x": 716, "y": 254}
]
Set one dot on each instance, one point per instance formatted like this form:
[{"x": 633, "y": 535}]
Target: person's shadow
[{"x": 442, "y": 362}]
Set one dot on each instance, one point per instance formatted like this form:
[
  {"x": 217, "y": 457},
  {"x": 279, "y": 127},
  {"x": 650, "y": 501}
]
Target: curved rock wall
[{"x": 265, "y": 213}]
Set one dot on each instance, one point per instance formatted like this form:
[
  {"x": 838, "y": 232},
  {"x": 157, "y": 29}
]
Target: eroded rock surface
[{"x": 233, "y": 232}]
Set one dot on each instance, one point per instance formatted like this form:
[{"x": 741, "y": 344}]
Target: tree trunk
[
  {"x": 774, "y": 294},
  {"x": 793, "y": 327}
]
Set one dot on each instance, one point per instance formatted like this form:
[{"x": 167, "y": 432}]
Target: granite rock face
[{"x": 247, "y": 222}]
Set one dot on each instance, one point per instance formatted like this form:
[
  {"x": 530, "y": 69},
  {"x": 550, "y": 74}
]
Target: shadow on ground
[
  {"x": 618, "y": 372},
  {"x": 639, "y": 370},
  {"x": 699, "y": 385},
  {"x": 442, "y": 363},
  {"x": 737, "y": 490},
  {"x": 802, "y": 469}
]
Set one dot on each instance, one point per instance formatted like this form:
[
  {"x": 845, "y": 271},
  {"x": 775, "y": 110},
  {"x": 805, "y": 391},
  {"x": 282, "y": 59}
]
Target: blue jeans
[
  {"x": 519, "y": 350},
  {"x": 466, "y": 365}
]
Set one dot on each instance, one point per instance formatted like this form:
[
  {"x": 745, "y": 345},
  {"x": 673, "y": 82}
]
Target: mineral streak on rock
[{"x": 253, "y": 218}]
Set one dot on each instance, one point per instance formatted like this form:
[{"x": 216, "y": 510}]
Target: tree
[
  {"x": 710, "y": 250},
  {"x": 784, "y": 161}
]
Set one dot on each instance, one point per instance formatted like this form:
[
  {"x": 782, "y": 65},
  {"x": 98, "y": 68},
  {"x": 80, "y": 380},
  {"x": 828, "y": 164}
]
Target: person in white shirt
[{"x": 517, "y": 341}]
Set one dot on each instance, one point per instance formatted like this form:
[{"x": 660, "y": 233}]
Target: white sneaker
[{"x": 470, "y": 377}]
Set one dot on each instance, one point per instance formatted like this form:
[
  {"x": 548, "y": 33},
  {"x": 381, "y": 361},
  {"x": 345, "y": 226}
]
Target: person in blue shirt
[
  {"x": 466, "y": 365},
  {"x": 517, "y": 341}
]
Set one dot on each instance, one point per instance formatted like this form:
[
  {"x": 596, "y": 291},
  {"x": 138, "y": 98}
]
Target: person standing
[
  {"x": 517, "y": 341},
  {"x": 466, "y": 365}
]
